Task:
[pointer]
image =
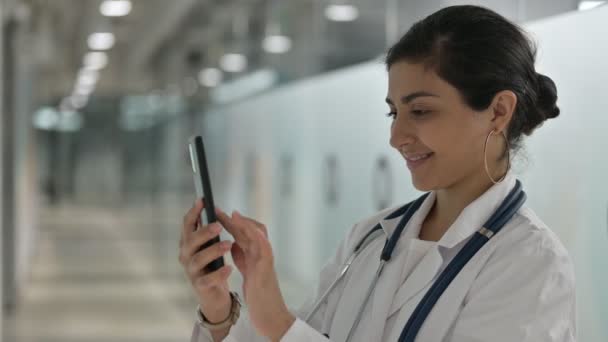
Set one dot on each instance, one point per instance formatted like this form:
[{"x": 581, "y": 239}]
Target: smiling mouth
[
  {"x": 417, "y": 157},
  {"x": 414, "y": 161}
]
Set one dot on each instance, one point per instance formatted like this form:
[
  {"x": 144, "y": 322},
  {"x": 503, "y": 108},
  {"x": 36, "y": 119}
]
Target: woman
[{"x": 462, "y": 91}]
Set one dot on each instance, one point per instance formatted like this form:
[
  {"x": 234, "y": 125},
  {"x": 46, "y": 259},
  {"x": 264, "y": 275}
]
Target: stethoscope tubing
[{"x": 361, "y": 246}]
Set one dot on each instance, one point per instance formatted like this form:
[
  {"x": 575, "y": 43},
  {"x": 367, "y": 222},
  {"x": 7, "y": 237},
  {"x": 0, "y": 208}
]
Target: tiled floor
[{"x": 104, "y": 275}]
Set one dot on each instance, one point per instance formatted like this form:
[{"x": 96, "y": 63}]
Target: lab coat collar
[
  {"x": 477, "y": 213},
  {"x": 470, "y": 219}
]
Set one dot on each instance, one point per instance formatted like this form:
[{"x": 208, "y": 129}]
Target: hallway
[{"x": 103, "y": 275}]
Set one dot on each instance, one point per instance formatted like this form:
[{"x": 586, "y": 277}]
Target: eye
[
  {"x": 419, "y": 112},
  {"x": 391, "y": 115}
]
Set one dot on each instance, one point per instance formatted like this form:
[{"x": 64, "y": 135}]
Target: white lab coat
[{"x": 518, "y": 287}]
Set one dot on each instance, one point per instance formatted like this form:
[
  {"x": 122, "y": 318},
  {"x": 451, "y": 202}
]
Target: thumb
[{"x": 238, "y": 256}]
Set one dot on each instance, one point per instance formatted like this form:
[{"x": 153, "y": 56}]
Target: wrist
[
  {"x": 216, "y": 312},
  {"x": 233, "y": 316},
  {"x": 283, "y": 324},
  {"x": 215, "y": 316}
]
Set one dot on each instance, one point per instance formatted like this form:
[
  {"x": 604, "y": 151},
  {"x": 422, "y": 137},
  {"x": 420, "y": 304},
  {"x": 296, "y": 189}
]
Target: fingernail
[{"x": 226, "y": 245}]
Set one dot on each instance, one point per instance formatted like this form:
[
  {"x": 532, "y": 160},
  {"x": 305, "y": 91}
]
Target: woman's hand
[
  {"x": 252, "y": 255},
  {"x": 211, "y": 288}
]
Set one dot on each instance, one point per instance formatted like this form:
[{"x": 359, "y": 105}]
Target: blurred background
[{"x": 98, "y": 99}]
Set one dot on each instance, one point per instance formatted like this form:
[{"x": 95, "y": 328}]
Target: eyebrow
[{"x": 409, "y": 98}]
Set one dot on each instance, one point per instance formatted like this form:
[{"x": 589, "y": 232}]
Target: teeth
[{"x": 422, "y": 156}]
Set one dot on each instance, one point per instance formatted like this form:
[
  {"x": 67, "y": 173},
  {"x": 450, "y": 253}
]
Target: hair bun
[{"x": 547, "y": 97}]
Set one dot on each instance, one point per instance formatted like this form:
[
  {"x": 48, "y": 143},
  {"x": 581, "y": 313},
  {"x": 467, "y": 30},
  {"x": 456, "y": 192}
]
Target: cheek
[
  {"x": 450, "y": 140},
  {"x": 459, "y": 146},
  {"x": 439, "y": 137}
]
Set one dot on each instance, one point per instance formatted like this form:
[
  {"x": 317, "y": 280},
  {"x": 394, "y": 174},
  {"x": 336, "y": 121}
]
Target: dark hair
[{"x": 481, "y": 53}]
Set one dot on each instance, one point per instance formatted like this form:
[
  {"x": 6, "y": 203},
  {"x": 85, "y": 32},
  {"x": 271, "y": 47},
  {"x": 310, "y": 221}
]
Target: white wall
[
  {"x": 342, "y": 114},
  {"x": 570, "y": 189}
]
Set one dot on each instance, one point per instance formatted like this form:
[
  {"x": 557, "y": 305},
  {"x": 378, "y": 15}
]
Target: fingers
[
  {"x": 249, "y": 230},
  {"x": 193, "y": 258},
  {"x": 265, "y": 247},
  {"x": 257, "y": 224},
  {"x": 206, "y": 256},
  {"x": 237, "y": 231},
  {"x": 197, "y": 239},
  {"x": 213, "y": 279},
  {"x": 238, "y": 256},
  {"x": 249, "y": 234},
  {"x": 191, "y": 219}
]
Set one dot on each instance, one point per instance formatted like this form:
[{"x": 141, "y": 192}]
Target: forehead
[
  {"x": 405, "y": 78},
  {"x": 403, "y": 74}
]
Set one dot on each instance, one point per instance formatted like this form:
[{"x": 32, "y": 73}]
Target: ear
[{"x": 503, "y": 108}]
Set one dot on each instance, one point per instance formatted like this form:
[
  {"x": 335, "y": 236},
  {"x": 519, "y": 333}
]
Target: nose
[{"x": 401, "y": 134}]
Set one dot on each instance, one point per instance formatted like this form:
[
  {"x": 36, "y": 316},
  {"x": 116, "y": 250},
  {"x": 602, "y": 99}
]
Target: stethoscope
[{"x": 507, "y": 209}]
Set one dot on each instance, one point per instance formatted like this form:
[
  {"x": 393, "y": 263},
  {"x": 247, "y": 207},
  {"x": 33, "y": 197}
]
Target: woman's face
[{"x": 441, "y": 138}]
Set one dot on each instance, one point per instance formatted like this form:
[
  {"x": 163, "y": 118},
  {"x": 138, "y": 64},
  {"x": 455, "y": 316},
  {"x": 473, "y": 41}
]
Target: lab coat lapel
[
  {"x": 419, "y": 279},
  {"x": 389, "y": 292},
  {"x": 390, "y": 279}
]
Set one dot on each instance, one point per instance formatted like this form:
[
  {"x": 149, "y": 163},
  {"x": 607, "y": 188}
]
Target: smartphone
[{"x": 202, "y": 184}]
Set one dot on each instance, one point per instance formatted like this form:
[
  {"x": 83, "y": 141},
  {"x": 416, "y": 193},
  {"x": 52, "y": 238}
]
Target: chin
[{"x": 422, "y": 183}]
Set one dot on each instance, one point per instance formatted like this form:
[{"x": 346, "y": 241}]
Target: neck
[{"x": 450, "y": 202}]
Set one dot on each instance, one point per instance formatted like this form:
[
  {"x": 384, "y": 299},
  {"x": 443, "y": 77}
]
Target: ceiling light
[
  {"x": 587, "y": 5},
  {"x": 276, "y": 44},
  {"x": 88, "y": 77},
  {"x": 115, "y": 8},
  {"x": 233, "y": 62},
  {"x": 210, "y": 77},
  {"x": 83, "y": 89},
  {"x": 101, "y": 41},
  {"x": 95, "y": 60},
  {"x": 341, "y": 12}
]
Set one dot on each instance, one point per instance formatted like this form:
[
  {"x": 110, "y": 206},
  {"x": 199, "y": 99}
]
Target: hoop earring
[{"x": 485, "y": 157}]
